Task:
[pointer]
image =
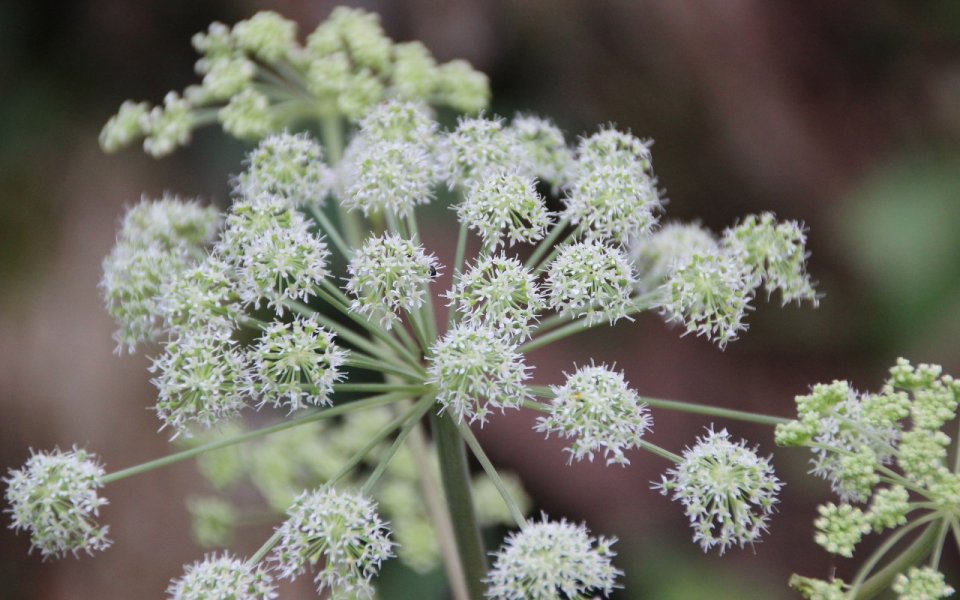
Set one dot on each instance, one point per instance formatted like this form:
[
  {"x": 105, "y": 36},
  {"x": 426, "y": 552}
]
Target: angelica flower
[
  {"x": 124, "y": 127},
  {"x": 224, "y": 76},
  {"x": 272, "y": 252},
  {"x": 199, "y": 296},
  {"x": 199, "y": 379},
  {"x": 921, "y": 583},
  {"x": 296, "y": 364},
  {"x": 591, "y": 280},
  {"x": 599, "y": 409},
  {"x": 415, "y": 73},
  {"x": 222, "y": 578},
  {"x": 341, "y": 528},
  {"x": 478, "y": 145},
  {"x": 504, "y": 203},
  {"x": 400, "y": 121},
  {"x": 840, "y": 528},
  {"x": 727, "y": 491},
  {"x": 544, "y": 145},
  {"x": 776, "y": 255},
  {"x": 247, "y": 115},
  {"x": 611, "y": 148},
  {"x": 389, "y": 274},
  {"x": 613, "y": 202},
  {"x": 889, "y": 508},
  {"x": 817, "y": 589},
  {"x": 499, "y": 292},
  {"x": 170, "y": 222},
  {"x": 54, "y": 497},
  {"x": 475, "y": 368},
  {"x": 553, "y": 559},
  {"x": 355, "y": 31},
  {"x": 392, "y": 176},
  {"x": 167, "y": 127},
  {"x": 290, "y": 166},
  {"x": 710, "y": 293},
  {"x": 655, "y": 256}
]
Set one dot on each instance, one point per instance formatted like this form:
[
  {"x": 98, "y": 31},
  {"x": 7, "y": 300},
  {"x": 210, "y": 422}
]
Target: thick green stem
[
  {"x": 492, "y": 473},
  {"x": 372, "y": 364},
  {"x": 250, "y": 435},
  {"x": 410, "y": 390},
  {"x": 264, "y": 549},
  {"x": 439, "y": 515},
  {"x": 457, "y": 267},
  {"x": 456, "y": 484}
]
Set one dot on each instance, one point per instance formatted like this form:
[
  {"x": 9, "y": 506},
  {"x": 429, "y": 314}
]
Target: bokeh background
[{"x": 845, "y": 115}]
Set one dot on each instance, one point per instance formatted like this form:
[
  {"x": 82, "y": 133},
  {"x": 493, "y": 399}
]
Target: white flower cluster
[
  {"x": 54, "y": 497},
  {"x": 599, "y": 409},
  {"x": 553, "y": 559},
  {"x": 474, "y": 368},
  {"x": 591, "y": 281},
  {"x": 288, "y": 166},
  {"x": 727, "y": 491},
  {"x": 341, "y": 528},
  {"x": 222, "y": 578},
  {"x": 389, "y": 274}
]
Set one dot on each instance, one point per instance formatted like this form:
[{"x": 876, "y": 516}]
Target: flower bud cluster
[{"x": 257, "y": 78}]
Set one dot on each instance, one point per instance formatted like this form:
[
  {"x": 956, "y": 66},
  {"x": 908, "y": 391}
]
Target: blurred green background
[{"x": 845, "y": 115}]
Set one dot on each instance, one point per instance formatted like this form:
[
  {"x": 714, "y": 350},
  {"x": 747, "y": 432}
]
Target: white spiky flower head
[
  {"x": 710, "y": 294},
  {"x": 504, "y": 203},
  {"x": 591, "y": 280},
  {"x": 598, "y": 408},
  {"x": 612, "y": 148},
  {"x": 290, "y": 166},
  {"x": 54, "y": 497},
  {"x": 388, "y": 274},
  {"x": 199, "y": 296},
  {"x": 200, "y": 380},
  {"x": 553, "y": 559},
  {"x": 612, "y": 203},
  {"x": 547, "y": 151},
  {"x": 655, "y": 256},
  {"x": 499, "y": 292},
  {"x": 133, "y": 275},
  {"x": 168, "y": 126},
  {"x": 475, "y": 368},
  {"x": 726, "y": 489},
  {"x": 223, "y": 577},
  {"x": 295, "y": 364},
  {"x": 477, "y": 145},
  {"x": 390, "y": 175},
  {"x": 921, "y": 583},
  {"x": 170, "y": 221},
  {"x": 403, "y": 121},
  {"x": 776, "y": 255},
  {"x": 272, "y": 251},
  {"x": 343, "y": 531}
]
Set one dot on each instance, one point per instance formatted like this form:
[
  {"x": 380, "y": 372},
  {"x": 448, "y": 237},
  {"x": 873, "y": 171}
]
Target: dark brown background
[{"x": 845, "y": 115}]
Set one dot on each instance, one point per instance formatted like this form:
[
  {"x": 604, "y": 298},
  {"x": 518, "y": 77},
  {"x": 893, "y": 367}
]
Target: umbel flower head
[
  {"x": 289, "y": 166},
  {"x": 295, "y": 364},
  {"x": 199, "y": 296},
  {"x": 553, "y": 559},
  {"x": 499, "y": 292},
  {"x": 341, "y": 528},
  {"x": 389, "y": 274},
  {"x": 545, "y": 148},
  {"x": 474, "y": 368},
  {"x": 272, "y": 251},
  {"x": 222, "y": 578},
  {"x": 599, "y": 409},
  {"x": 170, "y": 222},
  {"x": 479, "y": 145},
  {"x": 54, "y": 497},
  {"x": 710, "y": 293},
  {"x": 199, "y": 379},
  {"x": 591, "y": 280},
  {"x": 657, "y": 255},
  {"x": 727, "y": 491},
  {"x": 504, "y": 203}
]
